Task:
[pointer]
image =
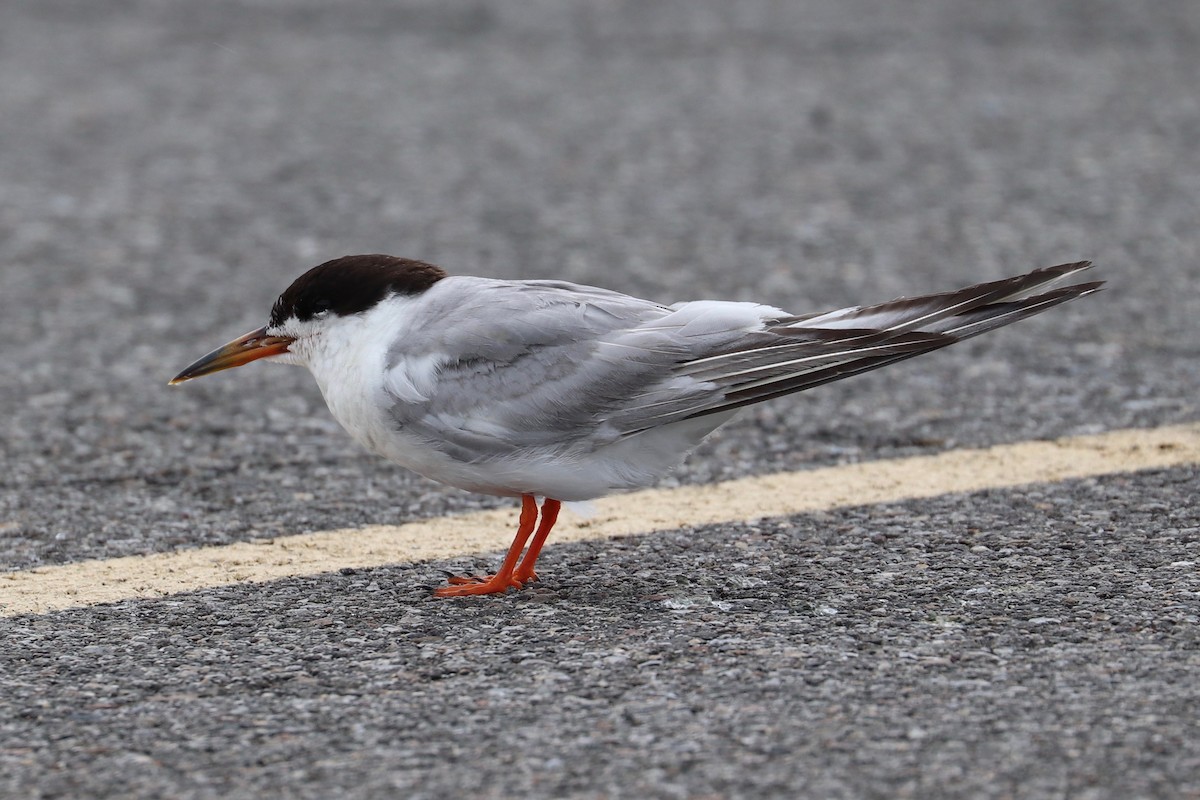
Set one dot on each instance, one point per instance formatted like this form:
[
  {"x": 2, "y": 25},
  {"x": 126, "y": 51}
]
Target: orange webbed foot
[
  {"x": 461, "y": 586},
  {"x": 512, "y": 575}
]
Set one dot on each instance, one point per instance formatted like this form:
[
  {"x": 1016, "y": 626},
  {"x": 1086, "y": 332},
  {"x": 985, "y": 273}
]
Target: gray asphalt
[{"x": 167, "y": 167}]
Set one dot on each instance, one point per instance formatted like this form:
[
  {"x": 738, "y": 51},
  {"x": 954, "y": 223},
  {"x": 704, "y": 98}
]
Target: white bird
[{"x": 551, "y": 389}]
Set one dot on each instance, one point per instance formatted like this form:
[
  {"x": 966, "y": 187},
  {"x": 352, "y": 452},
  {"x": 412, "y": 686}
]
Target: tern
[{"x": 543, "y": 388}]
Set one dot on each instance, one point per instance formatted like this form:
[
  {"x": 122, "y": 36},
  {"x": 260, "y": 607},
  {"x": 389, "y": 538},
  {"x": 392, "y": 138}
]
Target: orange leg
[
  {"x": 502, "y": 580},
  {"x": 525, "y": 572}
]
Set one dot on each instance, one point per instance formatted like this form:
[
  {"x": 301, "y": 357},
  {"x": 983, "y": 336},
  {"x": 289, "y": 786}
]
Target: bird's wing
[
  {"x": 496, "y": 367},
  {"x": 499, "y": 367}
]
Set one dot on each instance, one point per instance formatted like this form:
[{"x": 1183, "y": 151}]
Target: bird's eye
[{"x": 321, "y": 306}]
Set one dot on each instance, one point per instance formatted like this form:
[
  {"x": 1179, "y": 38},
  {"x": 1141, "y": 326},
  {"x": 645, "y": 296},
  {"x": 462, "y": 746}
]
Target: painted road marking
[{"x": 86, "y": 583}]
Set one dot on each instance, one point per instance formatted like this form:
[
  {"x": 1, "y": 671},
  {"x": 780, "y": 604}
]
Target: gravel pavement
[{"x": 167, "y": 167}]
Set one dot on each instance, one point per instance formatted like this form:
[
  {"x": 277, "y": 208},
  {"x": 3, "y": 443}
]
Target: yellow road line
[{"x": 87, "y": 583}]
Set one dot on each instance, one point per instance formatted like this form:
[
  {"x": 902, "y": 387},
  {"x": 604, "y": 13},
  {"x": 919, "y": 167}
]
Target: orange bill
[{"x": 242, "y": 350}]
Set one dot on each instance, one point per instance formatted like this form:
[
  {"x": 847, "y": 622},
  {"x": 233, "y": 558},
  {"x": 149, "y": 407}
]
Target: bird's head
[{"x": 316, "y": 302}]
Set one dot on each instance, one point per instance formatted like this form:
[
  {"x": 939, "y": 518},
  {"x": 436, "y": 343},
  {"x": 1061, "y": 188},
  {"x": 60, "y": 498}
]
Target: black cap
[{"x": 352, "y": 284}]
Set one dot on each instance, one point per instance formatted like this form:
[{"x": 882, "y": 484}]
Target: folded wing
[{"x": 540, "y": 365}]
